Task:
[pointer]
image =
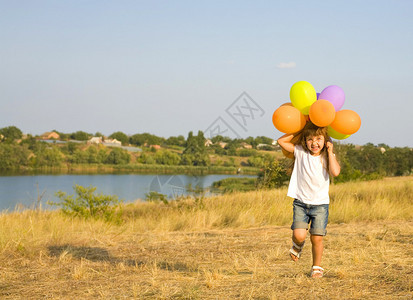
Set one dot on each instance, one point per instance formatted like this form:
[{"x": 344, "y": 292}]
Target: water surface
[{"x": 25, "y": 190}]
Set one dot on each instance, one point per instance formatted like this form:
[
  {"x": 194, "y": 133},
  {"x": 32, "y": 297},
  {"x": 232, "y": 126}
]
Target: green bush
[
  {"x": 246, "y": 152},
  {"x": 153, "y": 196},
  {"x": 165, "y": 157},
  {"x": 118, "y": 156},
  {"x": 233, "y": 184},
  {"x": 89, "y": 205},
  {"x": 12, "y": 157},
  {"x": 273, "y": 175}
]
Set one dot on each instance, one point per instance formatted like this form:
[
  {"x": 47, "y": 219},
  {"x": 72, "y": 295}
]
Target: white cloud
[{"x": 284, "y": 65}]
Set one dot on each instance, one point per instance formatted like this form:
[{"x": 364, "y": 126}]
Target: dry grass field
[{"x": 226, "y": 247}]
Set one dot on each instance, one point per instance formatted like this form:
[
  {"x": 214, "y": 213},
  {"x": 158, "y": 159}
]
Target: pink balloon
[{"x": 335, "y": 95}]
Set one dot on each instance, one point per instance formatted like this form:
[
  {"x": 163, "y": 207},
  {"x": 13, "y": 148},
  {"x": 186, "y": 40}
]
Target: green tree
[
  {"x": 398, "y": 161},
  {"x": 256, "y": 161},
  {"x": 140, "y": 139},
  {"x": 79, "y": 157},
  {"x": 121, "y": 137},
  {"x": 273, "y": 175},
  {"x": 70, "y": 147},
  {"x": 348, "y": 172},
  {"x": 175, "y": 141},
  {"x": 12, "y": 157},
  {"x": 220, "y": 138},
  {"x": 80, "y": 136},
  {"x": 30, "y": 141},
  {"x": 251, "y": 141},
  {"x": 195, "y": 152},
  {"x": 146, "y": 159},
  {"x": 11, "y": 133},
  {"x": 166, "y": 157},
  {"x": 263, "y": 140},
  {"x": 117, "y": 156},
  {"x": 63, "y": 136},
  {"x": 49, "y": 156},
  {"x": 371, "y": 159},
  {"x": 231, "y": 148},
  {"x": 92, "y": 155}
]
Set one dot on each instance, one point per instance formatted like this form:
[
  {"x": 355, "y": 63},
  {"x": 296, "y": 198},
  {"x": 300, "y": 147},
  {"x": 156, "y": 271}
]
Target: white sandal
[
  {"x": 317, "y": 272},
  {"x": 295, "y": 253}
]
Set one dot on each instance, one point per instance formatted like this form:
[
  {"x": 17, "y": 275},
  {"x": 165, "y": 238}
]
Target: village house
[
  {"x": 95, "y": 140},
  {"x": 208, "y": 143},
  {"x": 222, "y": 144},
  {"x": 50, "y": 136},
  {"x": 112, "y": 142},
  {"x": 246, "y": 146}
]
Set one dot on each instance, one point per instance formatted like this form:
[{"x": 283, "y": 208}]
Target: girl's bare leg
[
  {"x": 298, "y": 237},
  {"x": 317, "y": 249}
]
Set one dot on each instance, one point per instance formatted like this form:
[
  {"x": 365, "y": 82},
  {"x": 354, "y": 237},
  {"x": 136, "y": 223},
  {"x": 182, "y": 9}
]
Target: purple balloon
[
  {"x": 318, "y": 95},
  {"x": 334, "y": 94}
]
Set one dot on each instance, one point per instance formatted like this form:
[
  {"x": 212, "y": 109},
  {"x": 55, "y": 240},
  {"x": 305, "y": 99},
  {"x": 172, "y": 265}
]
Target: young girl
[{"x": 309, "y": 185}]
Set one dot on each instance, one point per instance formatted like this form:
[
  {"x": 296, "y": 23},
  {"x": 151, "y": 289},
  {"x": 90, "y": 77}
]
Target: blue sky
[{"x": 170, "y": 67}]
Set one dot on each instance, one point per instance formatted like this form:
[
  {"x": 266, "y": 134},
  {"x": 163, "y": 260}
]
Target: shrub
[
  {"x": 13, "y": 156},
  {"x": 273, "y": 175},
  {"x": 233, "y": 184},
  {"x": 246, "y": 152},
  {"x": 153, "y": 196},
  {"x": 89, "y": 205},
  {"x": 118, "y": 156},
  {"x": 166, "y": 157}
]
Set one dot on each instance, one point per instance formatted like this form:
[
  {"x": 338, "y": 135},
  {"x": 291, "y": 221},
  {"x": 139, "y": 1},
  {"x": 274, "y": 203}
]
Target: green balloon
[{"x": 335, "y": 134}]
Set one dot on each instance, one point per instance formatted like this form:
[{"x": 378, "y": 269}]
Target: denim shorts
[{"x": 306, "y": 213}]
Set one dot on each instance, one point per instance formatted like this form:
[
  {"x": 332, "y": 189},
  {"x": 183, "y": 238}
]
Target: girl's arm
[
  {"x": 332, "y": 161},
  {"x": 285, "y": 142}
]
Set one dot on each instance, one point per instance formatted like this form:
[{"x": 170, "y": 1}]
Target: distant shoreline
[{"x": 134, "y": 169}]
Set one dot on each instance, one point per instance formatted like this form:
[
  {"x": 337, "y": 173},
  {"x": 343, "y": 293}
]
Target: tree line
[{"x": 357, "y": 162}]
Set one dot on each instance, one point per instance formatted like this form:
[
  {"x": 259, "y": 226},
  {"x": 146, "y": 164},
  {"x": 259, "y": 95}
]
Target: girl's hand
[{"x": 329, "y": 147}]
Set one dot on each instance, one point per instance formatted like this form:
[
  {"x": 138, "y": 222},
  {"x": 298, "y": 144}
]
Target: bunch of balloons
[{"x": 323, "y": 109}]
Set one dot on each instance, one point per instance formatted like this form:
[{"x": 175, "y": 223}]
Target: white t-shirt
[{"x": 310, "y": 180}]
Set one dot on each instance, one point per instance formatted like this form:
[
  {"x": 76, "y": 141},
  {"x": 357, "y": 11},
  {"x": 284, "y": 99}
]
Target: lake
[{"x": 25, "y": 190}]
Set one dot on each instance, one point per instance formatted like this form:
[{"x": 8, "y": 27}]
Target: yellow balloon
[
  {"x": 335, "y": 134},
  {"x": 302, "y": 96}
]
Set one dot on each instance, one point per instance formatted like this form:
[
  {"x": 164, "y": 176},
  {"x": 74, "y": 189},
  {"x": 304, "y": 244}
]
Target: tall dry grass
[
  {"x": 389, "y": 199},
  {"x": 223, "y": 247}
]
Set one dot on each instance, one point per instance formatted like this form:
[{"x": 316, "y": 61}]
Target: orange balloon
[
  {"x": 288, "y": 119},
  {"x": 287, "y": 104},
  {"x": 322, "y": 113},
  {"x": 346, "y": 122}
]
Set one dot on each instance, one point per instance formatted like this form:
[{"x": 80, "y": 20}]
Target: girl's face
[{"x": 315, "y": 144}]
